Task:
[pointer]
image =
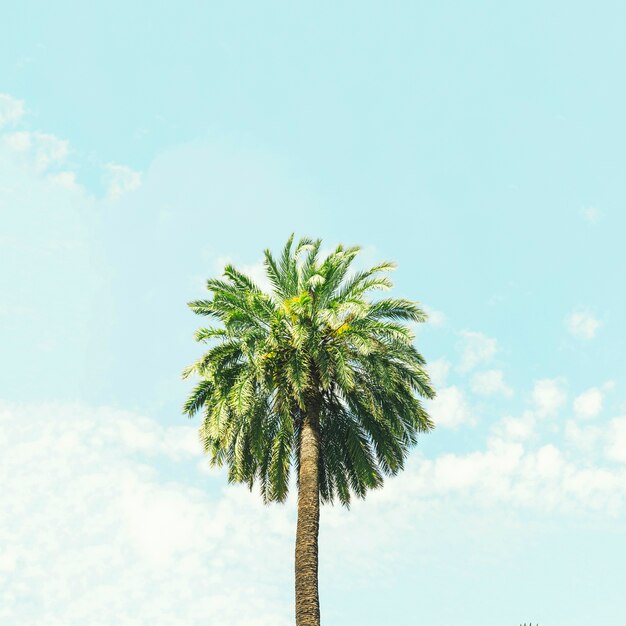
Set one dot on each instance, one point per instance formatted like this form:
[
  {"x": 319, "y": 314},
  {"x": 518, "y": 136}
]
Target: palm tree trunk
[{"x": 307, "y": 596}]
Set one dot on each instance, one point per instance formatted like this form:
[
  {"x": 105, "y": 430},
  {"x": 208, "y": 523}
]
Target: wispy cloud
[
  {"x": 438, "y": 370},
  {"x": 589, "y": 403},
  {"x": 476, "y": 349},
  {"x": 590, "y": 214},
  {"x": 87, "y": 485},
  {"x": 450, "y": 408},
  {"x": 490, "y": 382},
  {"x": 616, "y": 441},
  {"x": 549, "y": 396},
  {"x": 88, "y": 503},
  {"x": 120, "y": 180},
  {"x": 582, "y": 325},
  {"x": 435, "y": 318},
  {"x": 43, "y": 150},
  {"x": 11, "y": 109}
]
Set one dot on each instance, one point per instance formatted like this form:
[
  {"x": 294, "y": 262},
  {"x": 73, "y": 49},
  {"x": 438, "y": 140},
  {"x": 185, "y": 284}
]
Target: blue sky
[{"x": 480, "y": 145}]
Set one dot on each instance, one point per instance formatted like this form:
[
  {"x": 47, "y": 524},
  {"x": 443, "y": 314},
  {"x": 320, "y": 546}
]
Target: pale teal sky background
[{"x": 481, "y": 145}]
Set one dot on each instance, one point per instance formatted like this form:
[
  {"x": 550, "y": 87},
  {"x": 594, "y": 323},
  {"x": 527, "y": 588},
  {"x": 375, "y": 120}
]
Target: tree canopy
[{"x": 314, "y": 337}]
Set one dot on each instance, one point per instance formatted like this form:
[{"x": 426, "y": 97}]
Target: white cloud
[
  {"x": 609, "y": 385},
  {"x": 548, "y": 396},
  {"x": 486, "y": 489},
  {"x": 121, "y": 179},
  {"x": 616, "y": 440},
  {"x": 435, "y": 318},
  {"x": 476, "y": 349},
  {"x": 36, "y": 152},
  {"x": 48, "y": 150},
  {"x": 583, "y": 438},
  {"x": 67, "y": 180},
  {"x": 45, "y": 241},
  {"x": 590, "y": 214},
  {"x": 515, "y": 428},
  {"x": 450, "y": 408},
  {"x": 18, "y": 141},
  {"x": 582, "y": 325},
  {"x": 42, "y": 149},
  {"x": 128, "y": 545},
  {"x": 490, "y": 382},
  {"x": 11, "y": 109},
  {"x": 505, "y": 474},
  {"x": 438, "y": 371},
  {"x": 589, "y": 403},
  {"x": 92, "y": 497}
]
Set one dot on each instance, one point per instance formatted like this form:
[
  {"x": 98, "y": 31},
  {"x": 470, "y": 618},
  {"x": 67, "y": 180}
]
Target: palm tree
[{"x": 311, "y": 374}]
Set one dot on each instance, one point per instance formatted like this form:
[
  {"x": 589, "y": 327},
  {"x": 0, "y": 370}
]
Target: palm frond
[{"x": 316, "y": 339}]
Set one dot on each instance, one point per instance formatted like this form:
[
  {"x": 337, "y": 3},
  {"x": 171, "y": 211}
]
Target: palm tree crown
[{"x": 314, "y": 339}]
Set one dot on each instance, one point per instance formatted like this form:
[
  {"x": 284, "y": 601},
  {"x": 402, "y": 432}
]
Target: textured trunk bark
[{"x": 307, "y": 597}]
